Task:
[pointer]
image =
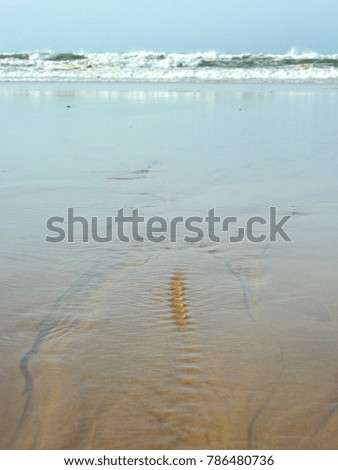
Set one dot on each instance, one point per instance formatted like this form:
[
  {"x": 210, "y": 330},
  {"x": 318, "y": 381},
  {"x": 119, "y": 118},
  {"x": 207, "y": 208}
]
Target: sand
[{"x": 168, "y": 345}]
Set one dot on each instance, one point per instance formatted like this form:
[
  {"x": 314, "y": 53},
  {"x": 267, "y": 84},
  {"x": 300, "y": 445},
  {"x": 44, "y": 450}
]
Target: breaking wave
[{"x": 168, "y": 67}]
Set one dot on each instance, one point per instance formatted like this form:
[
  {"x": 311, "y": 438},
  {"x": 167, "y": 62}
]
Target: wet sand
[{"x": 168, "y": 345}]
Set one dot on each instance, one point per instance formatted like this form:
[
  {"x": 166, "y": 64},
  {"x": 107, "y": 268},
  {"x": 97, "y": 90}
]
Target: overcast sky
[{"x": 169, "y": 25}]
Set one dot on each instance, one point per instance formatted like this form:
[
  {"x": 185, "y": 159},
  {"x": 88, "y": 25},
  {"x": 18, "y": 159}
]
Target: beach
[{"x": 170, "y": 345}]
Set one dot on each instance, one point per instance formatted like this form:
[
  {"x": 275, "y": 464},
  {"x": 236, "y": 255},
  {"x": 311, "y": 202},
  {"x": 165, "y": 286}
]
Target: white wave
[
  {"x": 294, "y": 54},
  {"x": 169, "y": 67}
]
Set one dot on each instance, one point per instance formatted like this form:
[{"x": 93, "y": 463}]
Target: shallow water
[{"x": 168, "y": 345}]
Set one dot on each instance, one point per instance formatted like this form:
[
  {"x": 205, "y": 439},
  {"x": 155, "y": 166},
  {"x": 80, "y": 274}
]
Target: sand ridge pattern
[
  {"x": 177, "y": 300},
  {"x": 186, "y": 413}
]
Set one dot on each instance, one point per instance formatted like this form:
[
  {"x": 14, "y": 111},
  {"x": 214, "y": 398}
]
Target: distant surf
[{"x": 143, "y": 66}]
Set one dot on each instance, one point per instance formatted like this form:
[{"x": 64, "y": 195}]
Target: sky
[{"x": 230, "y": 26}]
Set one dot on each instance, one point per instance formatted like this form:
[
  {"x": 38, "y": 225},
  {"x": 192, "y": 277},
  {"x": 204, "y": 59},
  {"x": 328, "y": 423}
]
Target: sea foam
[{"x": 168, "y": 67}]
